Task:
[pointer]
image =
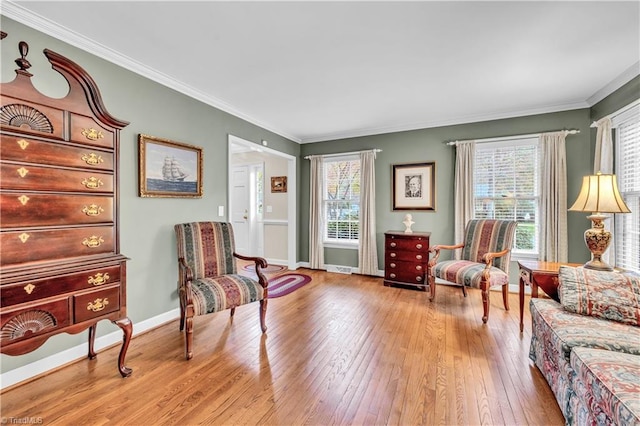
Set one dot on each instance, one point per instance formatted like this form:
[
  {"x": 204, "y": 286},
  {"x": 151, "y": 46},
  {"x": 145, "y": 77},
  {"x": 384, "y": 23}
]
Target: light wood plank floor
[{"x": 344, "y": 349}]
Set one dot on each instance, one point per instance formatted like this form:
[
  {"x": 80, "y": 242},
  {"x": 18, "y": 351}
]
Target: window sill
[
  {"x": 523, "y": 256},
  {"x": 346, "y": 246}
]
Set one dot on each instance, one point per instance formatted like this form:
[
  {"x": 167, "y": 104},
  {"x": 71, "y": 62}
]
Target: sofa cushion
[
  {"x": 607, "y": 384},
  {"x": 611, "y": 295}
]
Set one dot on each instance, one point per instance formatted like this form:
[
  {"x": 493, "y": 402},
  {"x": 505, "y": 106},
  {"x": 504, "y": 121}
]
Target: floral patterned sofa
[{"x": 588, "y": 346}]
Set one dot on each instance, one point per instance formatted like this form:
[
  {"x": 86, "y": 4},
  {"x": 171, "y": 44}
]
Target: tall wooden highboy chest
[{"x": 60, "y": 266}]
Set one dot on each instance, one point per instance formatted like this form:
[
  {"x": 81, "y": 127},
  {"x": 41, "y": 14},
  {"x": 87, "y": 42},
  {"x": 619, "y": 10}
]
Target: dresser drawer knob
[
  {"x": 92, "y": 183},
  {"x": 29, "y": 288},
  {"x": 419, "y": 278},
  {"x": 392, "y": 275},
  {"x": 98, "y": 279},
  {"x": 92, "y": 159},
  {"x": 419, "y": 267},
  {"x": 97, "y": 305},
  {"x": 419, "y": 256},
  {"x": 92, "y": 210},
  {"x": 93, "y": 241},
  {"x": 392, "y": 254},
  {"x": 392, "y": 265},
  {"x": 23, "y": 144},
  {"x": 393, "y": 244},
  {"x": 22, "y": 172},
  {"x": 92, "y": 134},
  {"x": 23, "y": 200},
  {"x": 418, "y": 246}
]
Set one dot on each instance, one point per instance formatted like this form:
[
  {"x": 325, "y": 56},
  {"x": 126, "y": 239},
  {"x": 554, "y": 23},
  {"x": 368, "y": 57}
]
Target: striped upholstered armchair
[
  {"x": 208, "y": 281},
  {"x": 484, "y": 260}
]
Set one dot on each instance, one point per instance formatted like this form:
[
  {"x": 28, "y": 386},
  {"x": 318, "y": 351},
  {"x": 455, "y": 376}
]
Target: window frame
[
  {"x": 511, "y": 142},
  {"x": 334, "y": 242}
]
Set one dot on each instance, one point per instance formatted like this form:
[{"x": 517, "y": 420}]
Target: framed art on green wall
[
  {"x": 168, "y": 168},
  {"x": 414, "y": 186}
]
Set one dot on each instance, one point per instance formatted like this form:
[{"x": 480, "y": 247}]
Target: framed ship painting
[{"x": 168, "y": 168}]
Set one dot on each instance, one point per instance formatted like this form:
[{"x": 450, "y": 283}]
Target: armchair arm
[
  {"x": 436, "y": 250},
  {"x": 185, "y": 276},
  {"x": 260, "y": 263},
  {"x": 488, "y": 257}
]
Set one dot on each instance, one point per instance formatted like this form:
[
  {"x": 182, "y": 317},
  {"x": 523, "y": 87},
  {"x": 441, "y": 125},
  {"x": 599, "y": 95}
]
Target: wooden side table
[{"x": 539, "y": 274}]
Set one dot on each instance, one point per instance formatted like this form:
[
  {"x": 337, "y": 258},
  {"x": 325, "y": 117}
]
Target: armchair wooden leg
[
  {"x": 233, "y": 311},
  {"x": 188, "y": 338},
  {"x": 464, "y": 290},
  {"x": 432, "y": 287},
  {"x": 182, "y": 315},
  {"x": 505, "y": 296},
  {"x": 263, "y": 314},
  {"x": 485, "y": 302}
]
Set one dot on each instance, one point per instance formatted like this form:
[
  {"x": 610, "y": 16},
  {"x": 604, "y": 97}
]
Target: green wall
[
  {"x": 147, "y": 236},
  {"x": 428, "y": 145}
]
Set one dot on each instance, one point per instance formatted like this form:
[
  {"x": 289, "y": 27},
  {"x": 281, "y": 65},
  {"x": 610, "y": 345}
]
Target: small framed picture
[
  {"x": 168, "y": 168},
  {"x": 414, "y": 186},
  {"x": 279, "y": 184}
]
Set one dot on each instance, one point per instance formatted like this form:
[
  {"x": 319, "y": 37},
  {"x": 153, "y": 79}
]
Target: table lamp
[{"x": 599, "y": 194}]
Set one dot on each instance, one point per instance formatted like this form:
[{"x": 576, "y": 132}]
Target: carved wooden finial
[{"x": 22, "y": 62}]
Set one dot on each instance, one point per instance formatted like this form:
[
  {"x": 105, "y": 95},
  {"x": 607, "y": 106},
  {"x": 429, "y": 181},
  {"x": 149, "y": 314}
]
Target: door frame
[{"x": 292, "y": 228}]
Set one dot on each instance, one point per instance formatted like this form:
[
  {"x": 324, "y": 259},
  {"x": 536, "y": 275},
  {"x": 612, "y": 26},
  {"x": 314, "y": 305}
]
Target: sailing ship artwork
[{"x": 169, "y": 169}]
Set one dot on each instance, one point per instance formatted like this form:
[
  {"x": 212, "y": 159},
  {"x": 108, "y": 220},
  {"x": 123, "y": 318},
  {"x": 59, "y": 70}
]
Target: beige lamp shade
[{"x": 600, "y": 194}]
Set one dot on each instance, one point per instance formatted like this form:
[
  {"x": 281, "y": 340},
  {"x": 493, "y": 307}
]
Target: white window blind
[
  {"x": 341, "y": 199},
  {"x": 506, "y": 186},
  {"x": 627, "y": 226}
]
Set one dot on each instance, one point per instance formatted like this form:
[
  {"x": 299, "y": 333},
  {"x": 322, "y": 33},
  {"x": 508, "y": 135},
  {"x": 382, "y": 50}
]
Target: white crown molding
[
  {"x": 68, "y": 36},
  {"x": 451, "y": 122},
  {"x": 617, "y": 83}
]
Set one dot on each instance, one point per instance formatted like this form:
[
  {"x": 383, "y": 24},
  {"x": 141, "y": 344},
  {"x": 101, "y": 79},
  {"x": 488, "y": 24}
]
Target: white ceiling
[{"x": 314, "y": 71}]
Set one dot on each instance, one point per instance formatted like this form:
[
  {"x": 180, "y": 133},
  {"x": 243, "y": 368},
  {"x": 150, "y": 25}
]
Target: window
[
  {"x": 341, "y": 199},
  {"x": 627, "y": 226},
  {"x": 506, "y": 186}
]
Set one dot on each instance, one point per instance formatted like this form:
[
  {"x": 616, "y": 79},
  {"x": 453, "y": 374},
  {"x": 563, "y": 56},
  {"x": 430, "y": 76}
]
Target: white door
[{"x": 240, "y": 208}]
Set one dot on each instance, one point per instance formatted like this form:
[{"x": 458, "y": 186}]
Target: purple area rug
[{"x": 286, "y": 283}]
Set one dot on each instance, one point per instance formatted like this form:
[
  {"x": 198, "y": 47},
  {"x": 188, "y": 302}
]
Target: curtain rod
[
  {"x": 340, "y": 154},
  {"x": 618, "y": 112},
  {"x": 503, "y": 138}
]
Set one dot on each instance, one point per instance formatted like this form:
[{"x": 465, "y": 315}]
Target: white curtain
[
  {"x": 603, "y": 162},
  {"x": 463, "y": 187},
  {"x": 367, "y": 247},
  {"x": 553, "y": 194},
  {"x": 316, "y": 225}
]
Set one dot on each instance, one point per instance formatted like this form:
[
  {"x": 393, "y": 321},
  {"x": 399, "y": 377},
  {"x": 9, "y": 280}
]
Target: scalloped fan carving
[
  {"x": 27, "y": 322},
  {"x": 24, "y": 116}
]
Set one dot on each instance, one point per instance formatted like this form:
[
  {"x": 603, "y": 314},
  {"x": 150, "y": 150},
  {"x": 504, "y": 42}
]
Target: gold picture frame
[
  {"x": 168, "y": 169},
  {"x": 414, "y": 186},
  {"x": 278, "y": 184}
]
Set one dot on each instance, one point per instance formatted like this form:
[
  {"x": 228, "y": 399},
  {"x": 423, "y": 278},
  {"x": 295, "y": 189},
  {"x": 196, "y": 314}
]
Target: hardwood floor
[{"x": 343, "y": 349}]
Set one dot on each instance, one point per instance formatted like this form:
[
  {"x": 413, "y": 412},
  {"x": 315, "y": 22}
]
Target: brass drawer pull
[
  {"x": 29, "y": 288},
  {"x": 393, "y": 244},
  {"x": 392, "y": 275},
  {"x": 92, "y": 183},
  {"x": 23, "y": 144},
  {"x": 98, "y": 279},
  {"x": 392, "y": 254},
  {"x": 418, "y": 246},
  {"x": 92, "y": 210},
  {"x": 92, "y": 134},
  {"x": 93, "y": 241},
  {"x": 23, "y": 199},
  {"x": 419, "y": 278},
  {"x": 97, "y": 305},
  {"x": 393, "y": 265},
  {"x": 419, "y": 267},
  {"x": 92, "y": 159},
  {"x": 419, "y": 256},
  {"x": 24, "y": 237}
]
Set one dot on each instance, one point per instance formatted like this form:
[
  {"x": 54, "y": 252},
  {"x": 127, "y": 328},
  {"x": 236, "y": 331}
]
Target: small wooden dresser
[
  {"x": 406, "y": 258},
  {"x": 61, "y": 269}
]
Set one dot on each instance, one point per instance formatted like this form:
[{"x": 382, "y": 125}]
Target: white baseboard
[{"x": 76, "y": 353}]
